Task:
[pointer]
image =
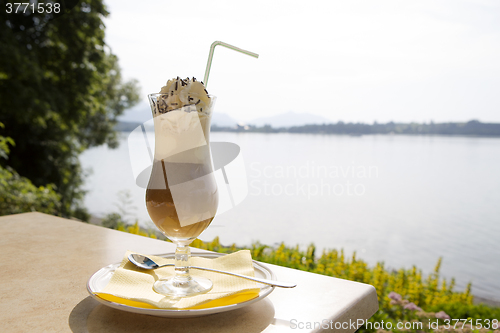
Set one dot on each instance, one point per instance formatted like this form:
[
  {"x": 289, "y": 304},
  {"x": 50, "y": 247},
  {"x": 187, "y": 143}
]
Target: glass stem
[{"x": 182, "y": 256}]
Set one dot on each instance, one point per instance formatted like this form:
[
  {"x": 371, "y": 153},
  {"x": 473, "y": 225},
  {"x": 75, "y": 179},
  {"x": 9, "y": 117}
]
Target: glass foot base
[{"x": 183, "y": 289}]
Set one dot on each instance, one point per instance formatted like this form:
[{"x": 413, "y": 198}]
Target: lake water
[{"x": 405, "y": 200}]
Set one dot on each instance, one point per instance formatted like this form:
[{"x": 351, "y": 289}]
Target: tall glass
[{"x": 181, "y": 196}]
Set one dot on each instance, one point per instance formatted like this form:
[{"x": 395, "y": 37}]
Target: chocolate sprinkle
[
  {"x": 161, "y": 106},
  {"x": 206, "y": 91},
  {"x": 197, "y": 102},
  {"x": 176, "y": 84},
  {"x": 154, "y": 106}
]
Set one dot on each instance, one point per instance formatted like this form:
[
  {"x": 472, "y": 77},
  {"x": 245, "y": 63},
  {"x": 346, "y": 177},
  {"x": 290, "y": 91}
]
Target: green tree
[
  {"x": 18, "y": 194},
  {"x": 60, "y": 93}
]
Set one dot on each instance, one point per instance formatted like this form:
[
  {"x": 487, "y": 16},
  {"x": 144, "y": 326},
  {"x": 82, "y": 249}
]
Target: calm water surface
[{"x": 405, "y": 200}]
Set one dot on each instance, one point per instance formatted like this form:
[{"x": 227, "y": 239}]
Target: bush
[
  {"x": 18, "y": 194},
  {"x": 112, "y": 221},
  {"x": 405, "y": 295}
]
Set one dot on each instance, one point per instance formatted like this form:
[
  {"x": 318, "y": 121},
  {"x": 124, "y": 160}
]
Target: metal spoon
[{"x": 146, "y": 263}]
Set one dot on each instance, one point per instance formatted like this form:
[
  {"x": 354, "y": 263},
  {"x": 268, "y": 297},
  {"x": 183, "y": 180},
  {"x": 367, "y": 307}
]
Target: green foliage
[
  {"x": 409, "y": 282},
  {"x": 60, "y": 93},
  {"x": 137, "y": 230},
  {"x": 460, "y": 310},
  {"x": 4, "y": 145},
  {"x": 405, "y": 296},
  {"x": 112, "y": 221},
  {"x": 18, "y": 194},
  {"x": 116, "y": 221},
  {"x": 422, "y": 297}
]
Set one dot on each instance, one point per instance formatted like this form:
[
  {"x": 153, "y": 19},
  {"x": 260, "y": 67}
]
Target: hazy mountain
[
  {"x": 290, "y": 119},
  {"x": 223, "y": 120}
]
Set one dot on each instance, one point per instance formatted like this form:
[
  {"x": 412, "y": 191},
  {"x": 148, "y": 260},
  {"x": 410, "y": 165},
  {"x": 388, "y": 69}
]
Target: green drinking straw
[{"x": 211, "y": 55}]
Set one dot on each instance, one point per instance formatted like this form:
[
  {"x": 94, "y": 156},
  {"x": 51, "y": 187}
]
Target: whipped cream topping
[{"x": 178, "y": 93}]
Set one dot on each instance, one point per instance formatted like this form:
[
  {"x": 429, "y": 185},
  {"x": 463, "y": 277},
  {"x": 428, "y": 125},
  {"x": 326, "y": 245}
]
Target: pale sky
[{"x": 345, "y": 60}]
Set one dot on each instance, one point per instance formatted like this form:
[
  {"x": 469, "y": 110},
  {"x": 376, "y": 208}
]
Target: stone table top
[{"x": 48, "y": 292}]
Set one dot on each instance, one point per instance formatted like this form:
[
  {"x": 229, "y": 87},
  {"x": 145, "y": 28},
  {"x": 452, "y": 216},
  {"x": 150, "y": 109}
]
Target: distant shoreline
[{"x": 470, "y": 128}]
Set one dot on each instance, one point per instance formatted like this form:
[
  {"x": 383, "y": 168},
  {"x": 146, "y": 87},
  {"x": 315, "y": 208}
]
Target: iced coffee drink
[{"x": 182, "y": 196}]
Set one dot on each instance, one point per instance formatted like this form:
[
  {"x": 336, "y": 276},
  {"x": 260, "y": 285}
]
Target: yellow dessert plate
[{"x": 100, "y": 279}]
